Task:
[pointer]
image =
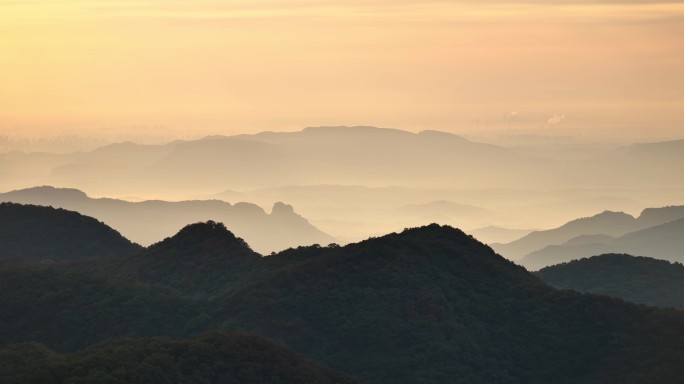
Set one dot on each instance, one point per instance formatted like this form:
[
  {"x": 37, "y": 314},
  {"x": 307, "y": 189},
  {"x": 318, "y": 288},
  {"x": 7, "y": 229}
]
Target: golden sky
[{"x": 196, "y": 67}]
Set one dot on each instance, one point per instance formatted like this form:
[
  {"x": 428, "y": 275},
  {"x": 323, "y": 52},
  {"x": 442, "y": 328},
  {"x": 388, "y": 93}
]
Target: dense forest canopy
[{"x": 427, "y": 305}]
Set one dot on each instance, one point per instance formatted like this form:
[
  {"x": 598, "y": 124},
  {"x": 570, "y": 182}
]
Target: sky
[{"x": 182, "y": 69}]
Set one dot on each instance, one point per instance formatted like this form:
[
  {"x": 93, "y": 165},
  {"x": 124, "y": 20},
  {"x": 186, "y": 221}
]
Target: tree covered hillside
[
  {"x": 638, "y": 279},
  {"x": 213, "y": 358},
  {"x": 427, "y": 305},
  {"x": 30, "y": 233}
]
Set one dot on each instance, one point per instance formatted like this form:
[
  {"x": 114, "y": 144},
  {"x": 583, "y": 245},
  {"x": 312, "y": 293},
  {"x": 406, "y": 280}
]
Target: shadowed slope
[
  {"x": 201, "y": 258},
  {"x": 212, "y": 358},
  {"x": 31, "y": 233},
  {"x": 638, "y": 279}
]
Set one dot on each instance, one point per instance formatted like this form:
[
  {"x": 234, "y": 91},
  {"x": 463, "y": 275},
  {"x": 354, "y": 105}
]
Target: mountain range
[
  {"x": 427, "y": 305},
  {"x": 581, "y": 233},
  {"x": 664, "y": 241},
  {"x": 348, "y": 174},
  {"x": 642, "y": 280},
  {"x": 146, "y": 222}
]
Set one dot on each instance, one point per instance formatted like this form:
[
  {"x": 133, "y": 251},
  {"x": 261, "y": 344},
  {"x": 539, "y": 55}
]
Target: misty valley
[{"x": 342, "y": 255}]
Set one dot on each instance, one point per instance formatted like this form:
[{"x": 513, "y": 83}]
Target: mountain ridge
[
  {"x": 31, "y": 233},
  {"x": 149, "y": 221},
  {"x": 638, "y": 279},
  {"x": 663, "y": 241},
  {"x": 609, "y": 223}
]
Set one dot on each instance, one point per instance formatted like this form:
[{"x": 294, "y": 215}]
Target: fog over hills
[
  {"x": 664, "y": 241},
  {"x": 583, "y": 233},
  {"x": 147, "y": 222},
  {"x": 352, "y": 182}
]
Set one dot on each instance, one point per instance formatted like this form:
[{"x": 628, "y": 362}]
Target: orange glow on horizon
[{"x": 235, "y": 66}]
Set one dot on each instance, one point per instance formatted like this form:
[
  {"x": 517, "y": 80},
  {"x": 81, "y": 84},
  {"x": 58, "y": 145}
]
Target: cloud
[
  {"x": 555, "y": 120},
  {"x": 511, "y": 115}
]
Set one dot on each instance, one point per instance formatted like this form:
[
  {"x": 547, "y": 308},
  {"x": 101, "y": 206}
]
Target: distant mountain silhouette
[
  {"x": 354, "y": 212},
  {"x": 213, "y": 358},
  {"x": 664, "y": 241},
  {"x": 523, "y": 188},
  {"x": 645, "y": 165},
  {"x": 328, "y": 155},
  {"x": 30, "y": 234},
  {"x": 148, "y": 221},
  {"x": 641, "y": 280},
  {"x": 429, "y": 304},
  {"x": 606, "y": 223},
  {"x": 337, "y": 155}
]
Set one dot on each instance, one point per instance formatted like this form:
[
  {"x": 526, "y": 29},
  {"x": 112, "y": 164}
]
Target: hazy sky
[{"x": 187, "y": 68}]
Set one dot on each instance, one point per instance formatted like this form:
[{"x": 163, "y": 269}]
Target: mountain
[
  {"x": 146, "y": 222},
  {"x": 429, "y": 304},
  {"x": 642, "y": 280},
  {"x": 201, "y": 258},
  {"x": 360, "y": 155},
  {"x": 31, "y": 234},
  {"x": 635, "y": 165},
  {"x": 606, "y": 223},
  {"x": 210, "y": 358},
  {"x": 522, "y": 189},
  {"x": 354, "y": 212},
  {"x": 664, "y": 241},
  {"x": 328, "y": 155}
]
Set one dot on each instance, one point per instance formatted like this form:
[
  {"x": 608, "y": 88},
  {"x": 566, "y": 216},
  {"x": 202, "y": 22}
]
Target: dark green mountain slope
[
  {"x": 212, "y": 358},
  {"x": 638, "y": 279},
  {"x": 433, "y": 305},
  {"x": 68, "y": 310},
  {"x": 428, "y": 305},
  {"x": 202, "y": 258},
  {"x": 30, "y": 233}
]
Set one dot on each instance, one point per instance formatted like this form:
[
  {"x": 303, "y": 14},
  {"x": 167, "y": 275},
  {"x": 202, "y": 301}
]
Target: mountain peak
[
  {"x": 46, "y": 191},
  {"x": 203, "y": 238},
  {"x": 280, "y": 208},
  {"x": 32, "y": 233}
]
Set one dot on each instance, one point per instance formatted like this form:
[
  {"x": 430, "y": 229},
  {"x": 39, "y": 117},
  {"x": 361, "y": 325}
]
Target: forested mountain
[
  {"x": 146, "y": 222},
  {"x": 31, "y": 233},
  {"x": 202, "y": 258},
  {"x": 613, "y": 224},
  {"x": 213, "y": 358},
  {"x": 427, "y": 305},
  {"x": 664, "y": 241},
  {"x": 641, "y": 280}
]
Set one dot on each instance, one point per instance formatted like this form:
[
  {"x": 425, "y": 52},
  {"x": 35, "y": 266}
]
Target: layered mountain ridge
[
  {"x": 429, "y": 304},
  {"x": 148, "y": 221}
]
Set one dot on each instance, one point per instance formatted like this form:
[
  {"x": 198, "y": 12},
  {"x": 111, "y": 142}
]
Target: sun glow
[{"x": 212, "y": 65}]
